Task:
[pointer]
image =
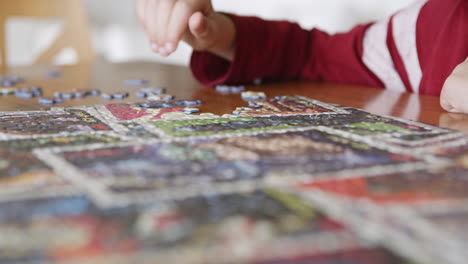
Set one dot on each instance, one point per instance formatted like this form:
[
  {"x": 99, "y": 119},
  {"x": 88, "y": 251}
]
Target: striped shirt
[{"x": 414, "y": 50}]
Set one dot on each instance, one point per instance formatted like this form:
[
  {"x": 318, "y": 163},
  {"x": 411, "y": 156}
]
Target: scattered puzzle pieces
[
  {"x": 229, "y": 89},
  {"x": 253, "y": 96},
  {"x": 7, "y": 91},
  {"x": 136, "y": 82},
  {"x": 29, "y": 92},
  {"x": 53, "y": 74},
  {"x": 49, "y": 101}
]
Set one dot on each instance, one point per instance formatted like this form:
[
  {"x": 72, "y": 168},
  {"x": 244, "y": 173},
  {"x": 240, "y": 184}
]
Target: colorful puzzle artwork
[
  {"x": 265, "y": 226},
  {"x": 22, "y": 173},
  {"x": 27, "y": 124},
  {"x": 422, "y": 209},
  {"x": 126, "y": 118},
  {"x": 189, "y": 168},
  {"x": 289, "y": 105},
  {"x": 134, "y": 112},
  {"x": 282, "y": 180}
]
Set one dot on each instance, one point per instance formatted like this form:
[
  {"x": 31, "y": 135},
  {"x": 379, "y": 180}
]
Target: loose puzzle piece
[
  {"x": 10, "y": 80},
  {"x": 253, "y": 96},
  {"x": 229, "y": 89},
  {"x": 53, "y": 74},
  {"x": 49, "y": 101},
  {"x": 136, "y": 82}
]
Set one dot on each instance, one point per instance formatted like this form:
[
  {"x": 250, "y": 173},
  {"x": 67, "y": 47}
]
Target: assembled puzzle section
[
  {"x": 265, "y": 226},
  {"x": 128, "y": 118},
  {"x": 39, "y": 123},
  {"x": 295, "y": 112},
  {"x": 288, "y": 105},
  {"x": 131, "y": 173},
  {"x": 416, "y": 212},
  {"x": 25, "y": 175}
]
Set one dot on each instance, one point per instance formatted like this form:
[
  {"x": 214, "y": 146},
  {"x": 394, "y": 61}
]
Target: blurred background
[{"x": 117, "y": 36}]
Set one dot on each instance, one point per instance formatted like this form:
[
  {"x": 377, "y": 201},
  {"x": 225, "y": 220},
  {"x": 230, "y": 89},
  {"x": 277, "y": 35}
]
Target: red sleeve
[
  {"x": 414, "y": 50},
  {"x": 280, "y": 50},
  {"x": 442, "y": 41}
]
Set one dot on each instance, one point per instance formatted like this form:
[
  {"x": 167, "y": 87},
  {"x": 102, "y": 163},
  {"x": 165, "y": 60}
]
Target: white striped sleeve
[
  {"x": 377, "y": 56},
  {"x": 404, "y": 34}
]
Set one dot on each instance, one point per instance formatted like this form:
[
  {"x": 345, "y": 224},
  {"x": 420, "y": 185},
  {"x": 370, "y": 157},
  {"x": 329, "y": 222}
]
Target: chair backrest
[{"x": 75, "y": 34}]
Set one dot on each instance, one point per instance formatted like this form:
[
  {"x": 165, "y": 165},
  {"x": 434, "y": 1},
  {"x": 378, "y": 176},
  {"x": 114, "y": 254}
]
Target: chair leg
[
  {"x": 3, "y": 47},
  {"x": 53, "y": 50}
]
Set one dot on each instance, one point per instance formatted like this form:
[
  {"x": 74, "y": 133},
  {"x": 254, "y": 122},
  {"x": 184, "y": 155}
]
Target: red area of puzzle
[
  {"x": 127, "y": 112},
  {"x": 124, "y": 113},
  {"x": 358, "y": 188}
]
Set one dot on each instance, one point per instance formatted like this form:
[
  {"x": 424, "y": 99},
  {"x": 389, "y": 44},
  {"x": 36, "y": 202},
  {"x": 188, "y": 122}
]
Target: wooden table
[{"x": 180, "y": 82}]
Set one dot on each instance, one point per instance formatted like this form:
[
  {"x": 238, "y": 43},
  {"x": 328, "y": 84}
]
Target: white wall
[{"x": 118, "y": 37}]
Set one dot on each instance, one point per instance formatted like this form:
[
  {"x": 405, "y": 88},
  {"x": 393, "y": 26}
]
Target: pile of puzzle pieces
[
  {"x": 284, "y": 180},
  {"x": 9, "y": 83}
]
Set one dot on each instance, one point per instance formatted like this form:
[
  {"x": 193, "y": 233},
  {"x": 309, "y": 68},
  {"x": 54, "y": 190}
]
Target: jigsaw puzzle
[
  {"x": 176, "y": 169},
  {"x": 23, "y": 174},
  {"x": 37, "y": 123},
  {"x": 422, "y": 209},
  {"x": 264, "y": 226},
  {"x": 283, "y": 180}
]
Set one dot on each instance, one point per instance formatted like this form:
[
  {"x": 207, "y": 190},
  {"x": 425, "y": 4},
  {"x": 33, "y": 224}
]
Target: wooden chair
[{"x": 75, "y": 33}]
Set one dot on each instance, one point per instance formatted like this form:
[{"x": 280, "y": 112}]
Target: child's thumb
[{"x": 202, "y": 27}]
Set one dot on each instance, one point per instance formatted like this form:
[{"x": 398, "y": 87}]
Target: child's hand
[
  {"x": 454, "y": 96},
  {"x": 167, "y": 22}
]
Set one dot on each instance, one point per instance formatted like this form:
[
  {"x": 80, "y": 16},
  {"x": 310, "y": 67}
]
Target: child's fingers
[
  {"x": 446, "y": 105},
  {"x": 198, "y": 24},
  {"x": 140, "y": 9},
  {"x": 166, "y": 23},
  {"x": 178, "y": 24},
  {"x": 452, "y": 97},
  {"x": 203, "y": 29},
  {"x": 150, "y": 20},
  {"x": 162, "y": 22}
]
